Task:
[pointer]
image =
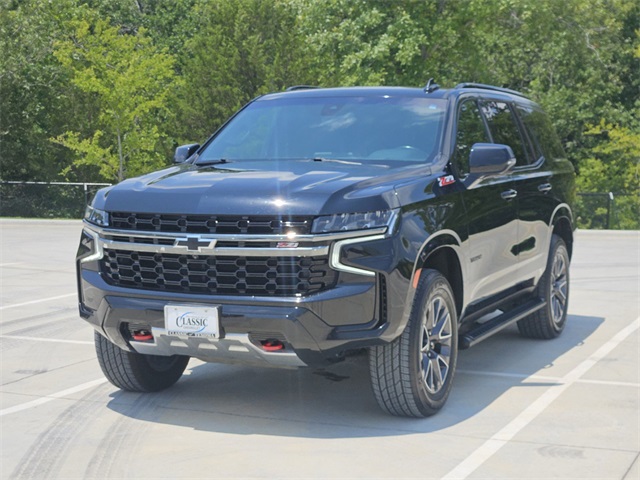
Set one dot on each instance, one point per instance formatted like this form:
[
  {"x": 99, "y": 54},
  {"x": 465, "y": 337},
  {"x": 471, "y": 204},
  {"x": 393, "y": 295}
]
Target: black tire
[
  {"x": 135, "y": 372},
  {"x": 412, "y": 376},
  {"x": 553, "y": 287}
]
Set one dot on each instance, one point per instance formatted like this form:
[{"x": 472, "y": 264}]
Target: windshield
[{"x": 363, "y": 129}]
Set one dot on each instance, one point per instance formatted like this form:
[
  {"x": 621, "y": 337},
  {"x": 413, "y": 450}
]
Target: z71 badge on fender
[{"x": 448, "y": 180}]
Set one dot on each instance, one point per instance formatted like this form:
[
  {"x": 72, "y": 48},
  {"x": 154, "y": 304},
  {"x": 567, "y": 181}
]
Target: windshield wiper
[
  {"x": 335, "y": 160},
  {"x": 215, "y": 161}
]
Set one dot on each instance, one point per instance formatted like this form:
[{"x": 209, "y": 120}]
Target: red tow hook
[
  {"x": 142, "y": 335},
  {"x": 272, "y": 345}
]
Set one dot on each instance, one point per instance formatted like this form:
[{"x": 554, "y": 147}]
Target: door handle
[
  {"x": 544, "y": 187},
  {"x": 509, "y": 194}
]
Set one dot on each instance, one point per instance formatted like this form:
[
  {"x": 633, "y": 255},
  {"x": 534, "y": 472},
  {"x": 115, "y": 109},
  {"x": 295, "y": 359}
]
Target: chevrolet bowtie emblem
[{"x": 194, "y": 243}]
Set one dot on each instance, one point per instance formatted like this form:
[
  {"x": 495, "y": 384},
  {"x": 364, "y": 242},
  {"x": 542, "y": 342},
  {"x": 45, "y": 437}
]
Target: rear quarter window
[{"x": 540, "y": 130}]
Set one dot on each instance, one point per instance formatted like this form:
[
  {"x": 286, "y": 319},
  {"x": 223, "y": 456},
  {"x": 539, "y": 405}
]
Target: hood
[{"x": 302, "y": 187}]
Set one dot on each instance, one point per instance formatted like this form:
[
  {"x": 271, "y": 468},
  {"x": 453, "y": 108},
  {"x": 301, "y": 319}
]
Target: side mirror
[
  {"x": 184, "y": 152},
  {"x": 487, "y": 159}
]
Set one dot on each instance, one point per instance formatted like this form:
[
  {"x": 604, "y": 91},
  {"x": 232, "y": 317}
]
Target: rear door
[{"x": 537, "y": 190}]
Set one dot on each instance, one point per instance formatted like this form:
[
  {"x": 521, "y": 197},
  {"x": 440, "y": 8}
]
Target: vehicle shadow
[{"x": 337, "y": 402}]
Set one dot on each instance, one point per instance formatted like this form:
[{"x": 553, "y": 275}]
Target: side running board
[{"x": 500, "y": 322}]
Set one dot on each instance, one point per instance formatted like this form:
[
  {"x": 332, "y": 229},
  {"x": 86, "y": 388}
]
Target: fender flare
[
  {"x": 433, "y": 243},
  {"x": 562, "y": 212}
]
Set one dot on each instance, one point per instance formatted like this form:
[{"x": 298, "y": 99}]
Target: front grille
[
  {"x": 220, "y": 224},
  {"x": 170, "y": 241},
  {"x": 221, "y": 275}
]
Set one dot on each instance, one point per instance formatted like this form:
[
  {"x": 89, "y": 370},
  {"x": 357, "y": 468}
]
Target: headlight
[
  {"x": 352, "y": 221},
  {"x": 97, "y": 217}
]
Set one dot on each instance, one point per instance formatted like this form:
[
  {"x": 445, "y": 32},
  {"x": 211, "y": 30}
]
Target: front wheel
[
  {"x": 135, "y": 372},
  {"x": 412, "y": 376}
]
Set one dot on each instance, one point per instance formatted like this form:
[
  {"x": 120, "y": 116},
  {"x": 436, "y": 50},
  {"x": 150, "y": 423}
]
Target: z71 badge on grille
[{"x": 287, "y": 245}]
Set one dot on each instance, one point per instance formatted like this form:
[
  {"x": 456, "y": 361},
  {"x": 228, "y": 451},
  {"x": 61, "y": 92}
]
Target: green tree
[
  {"x": 613, "y": 167},
  {"x": 575, "y": 57},
  {"x": 241, "y": 49},
  {"x": 616, "y": 167},
  {"x": 114, "y": 95},
  {"x": 130, "y": 79},
  {"x": 33, "y": 84},
  {"x": 169, "y": 23},
  {"x": 355, "y": 42},
  {"x": 612, "y": 161}
]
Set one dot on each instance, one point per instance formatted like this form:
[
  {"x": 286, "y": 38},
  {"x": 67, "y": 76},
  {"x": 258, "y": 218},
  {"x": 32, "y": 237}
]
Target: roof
[
  {"x": 358, "y": 91},
  {"x": 305, "y": 91}
]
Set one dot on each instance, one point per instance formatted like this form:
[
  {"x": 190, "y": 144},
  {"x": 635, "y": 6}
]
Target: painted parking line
[
  {"x": 41, "y": 300},
  {"x": 51, "y": 340},
  {"x": 502, "y": 437},
  {"x": 53, "y": 396},
  {"x": 544, "y": 378}
]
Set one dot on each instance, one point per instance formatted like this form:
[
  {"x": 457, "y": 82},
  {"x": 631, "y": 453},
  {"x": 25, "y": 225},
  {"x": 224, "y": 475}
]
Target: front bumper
[{"x": 314, "y": 329}]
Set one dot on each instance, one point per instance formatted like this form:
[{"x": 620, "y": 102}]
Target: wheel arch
[
  {"x": 441, "y": 253},
  {"x": 562, "y": 225}
]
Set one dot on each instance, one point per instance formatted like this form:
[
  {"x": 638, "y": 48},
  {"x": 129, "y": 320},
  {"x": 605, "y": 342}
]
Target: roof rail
[
  {"x": 490, "y": 87},
  {"x": 300, "y": 87}
]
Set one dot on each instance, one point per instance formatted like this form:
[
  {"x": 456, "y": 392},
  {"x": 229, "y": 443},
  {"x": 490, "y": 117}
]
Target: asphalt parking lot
[{"x": 566, "y": 408}]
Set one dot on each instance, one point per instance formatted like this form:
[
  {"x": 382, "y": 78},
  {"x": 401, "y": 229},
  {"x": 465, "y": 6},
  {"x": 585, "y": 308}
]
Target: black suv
[{"x": 318, "y": 222}]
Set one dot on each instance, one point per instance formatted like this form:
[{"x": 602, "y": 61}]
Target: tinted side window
[
  {"x": 470, "y": 130},
  {"x": 541, "y": 132},
  {"x": 504, "y": 129}
]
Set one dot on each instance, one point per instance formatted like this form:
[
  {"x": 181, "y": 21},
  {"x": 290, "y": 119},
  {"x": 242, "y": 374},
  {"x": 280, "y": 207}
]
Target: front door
[{"x": 491, "y": 208}]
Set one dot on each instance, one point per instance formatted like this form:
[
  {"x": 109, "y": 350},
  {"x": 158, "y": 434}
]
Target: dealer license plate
[{"x": 192, "y": 320}]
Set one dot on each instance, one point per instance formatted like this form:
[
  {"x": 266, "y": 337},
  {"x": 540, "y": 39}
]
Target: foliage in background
[
  {"x": 615, "y": 168},
  {"x": 42, "y": 201},
  {"x": 33, "y": 89},
  {"x": 130, "y": 80},
  {"x": 579, "y": 58},
  {"x": 242, "y": 49}
]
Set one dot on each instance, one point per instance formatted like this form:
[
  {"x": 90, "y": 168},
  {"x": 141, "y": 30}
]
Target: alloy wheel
[
  {"x": 435, "y": 348},
  {"x": 559, "y": 287}
]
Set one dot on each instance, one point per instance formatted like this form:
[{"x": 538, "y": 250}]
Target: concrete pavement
[{"x": 520, "y": 408}]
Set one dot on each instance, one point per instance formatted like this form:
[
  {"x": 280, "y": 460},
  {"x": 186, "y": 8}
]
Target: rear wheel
[
  {"x": 412, "y": 376},
  {"x": 135, "y": 372},
  {"x": 549, "y": 321}
]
